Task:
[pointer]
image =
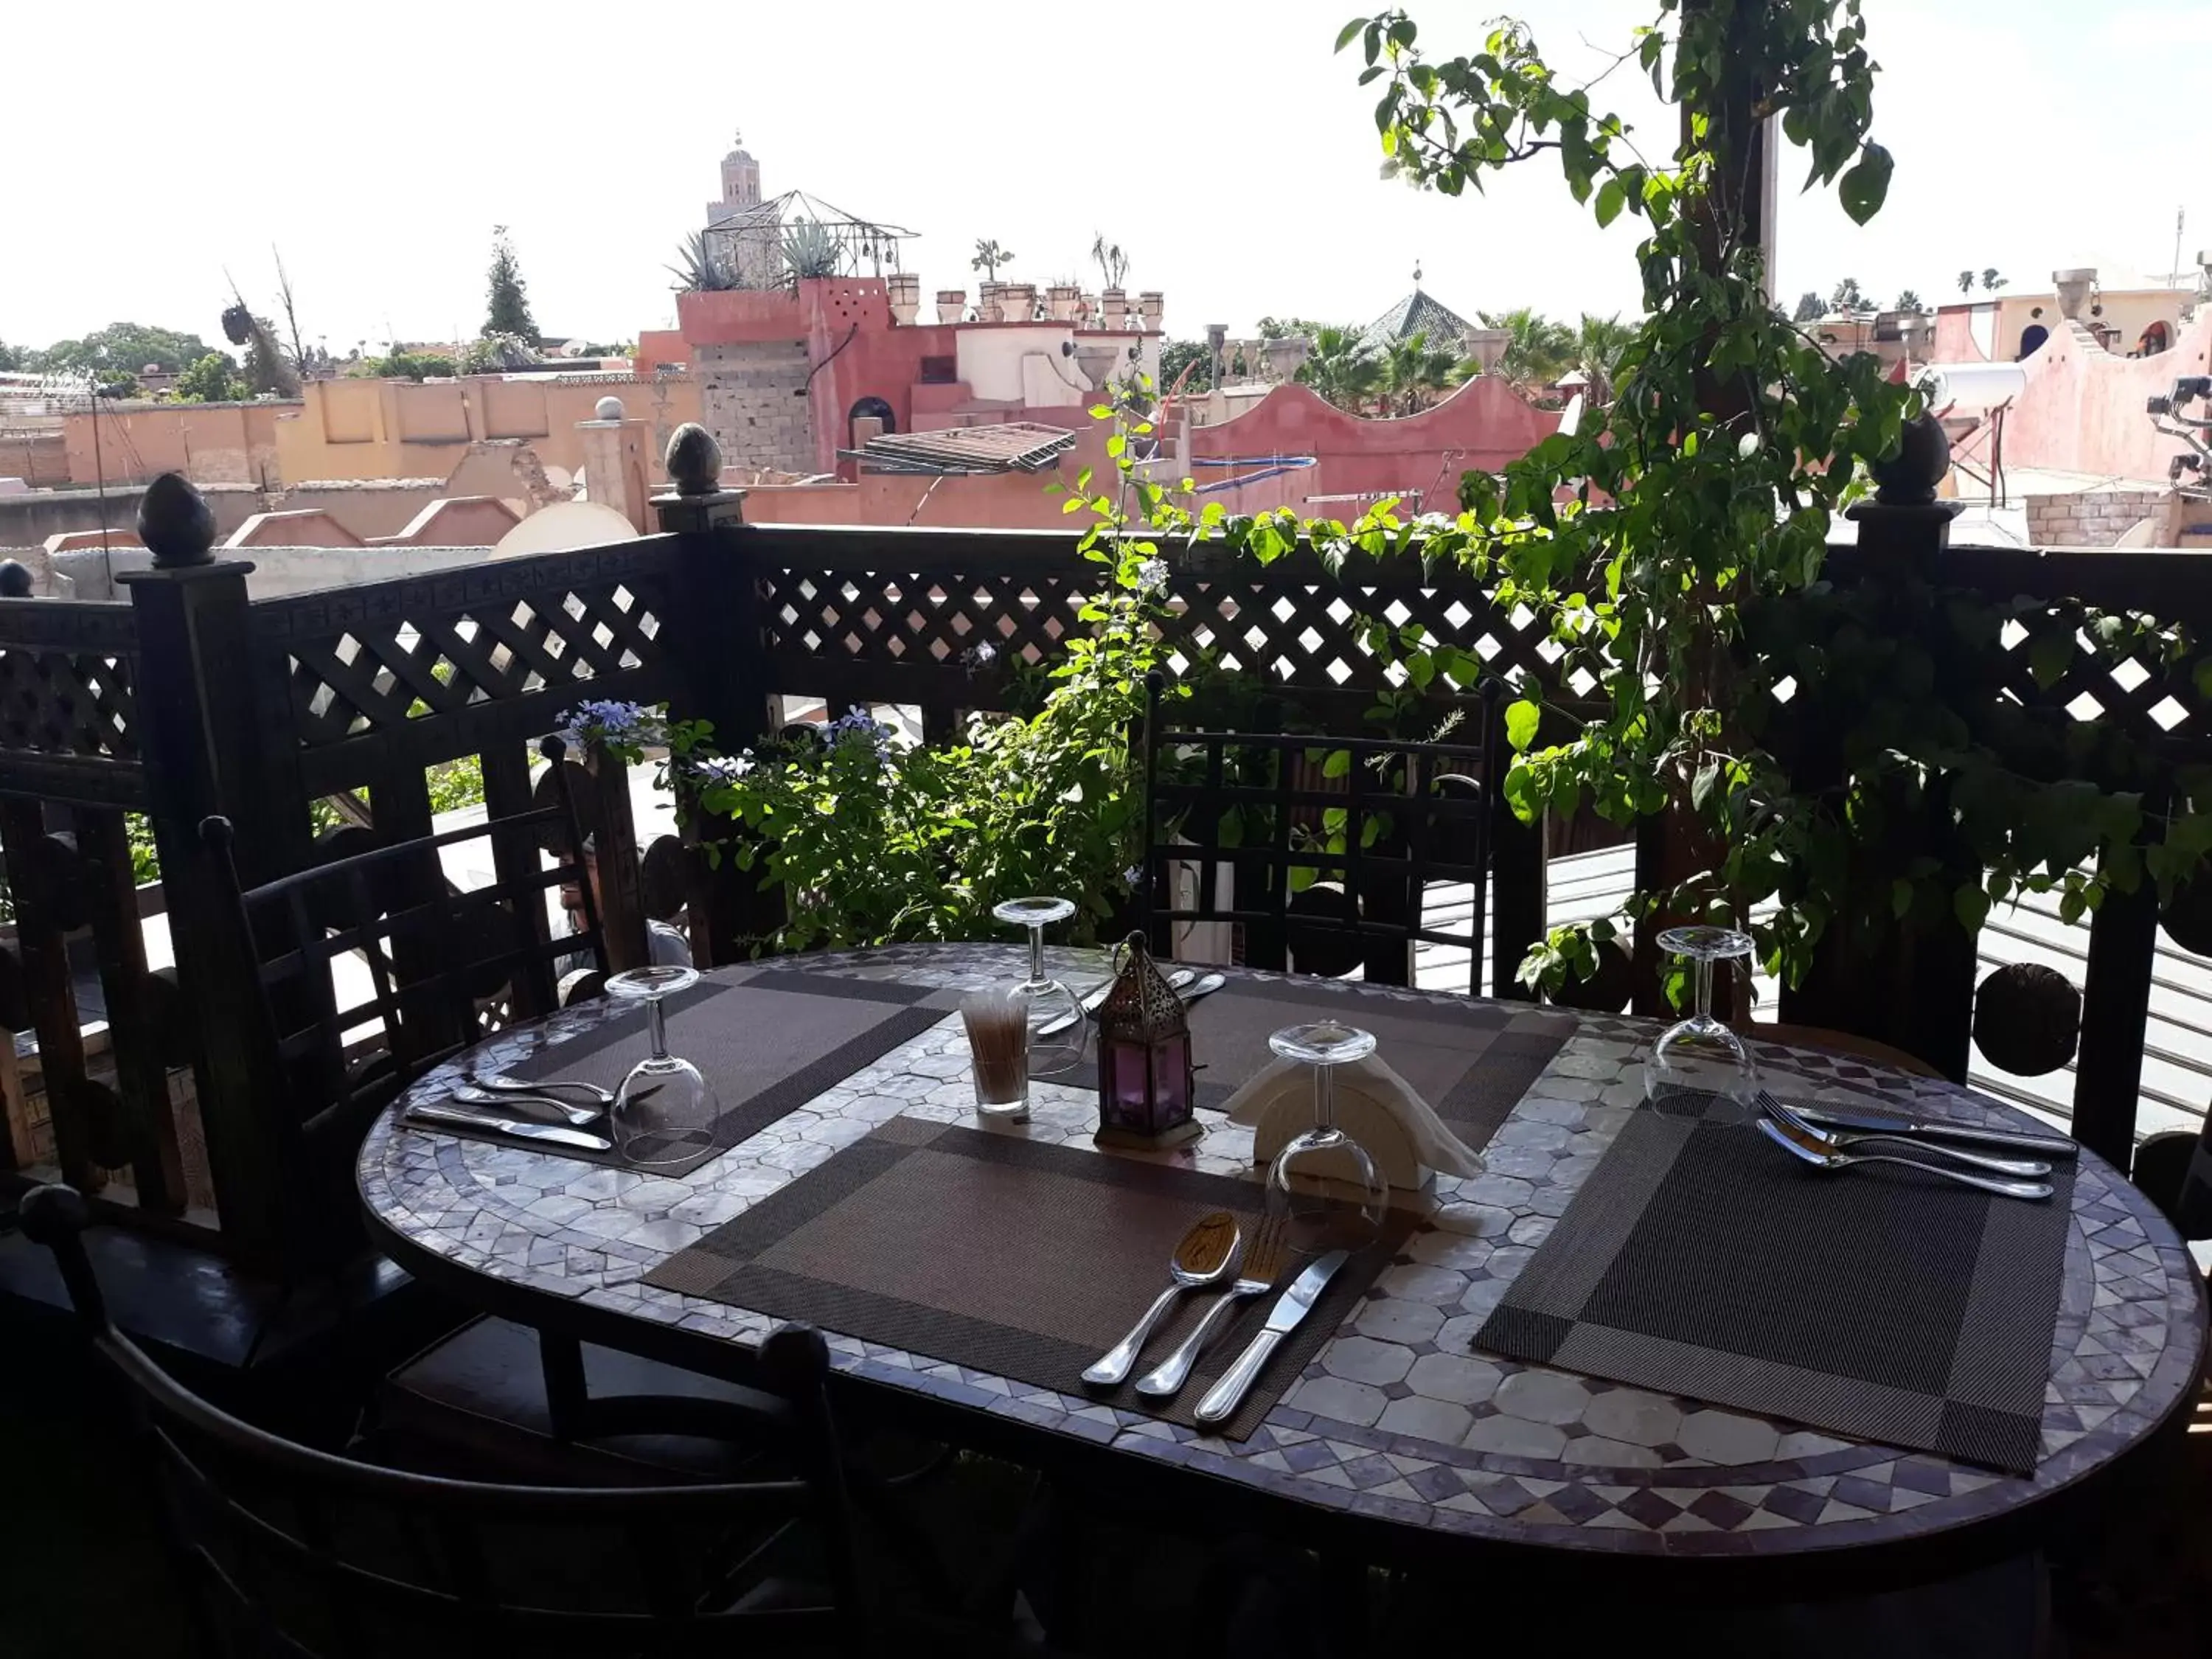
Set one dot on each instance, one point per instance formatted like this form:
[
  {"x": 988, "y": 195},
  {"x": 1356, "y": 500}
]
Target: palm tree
[
  {"x": 1992, "y": 281},
  {"x": 1341, "y": 367},
  {"x": 989, "y": 256},
  {"x": 1965, "y": 282},
  {"x": 1599, "y": 344},
  {"x": 1408, "y": 371},
  {"x": 1537, "y": 350},
  {"x": 1910, "y": 300},
  {"x": 1113, "y": 264}
]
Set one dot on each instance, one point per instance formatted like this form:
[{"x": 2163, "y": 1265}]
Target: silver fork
[
  {"x": 1843, "y": 1140},
  {"x": 1263, "y": 1263}
]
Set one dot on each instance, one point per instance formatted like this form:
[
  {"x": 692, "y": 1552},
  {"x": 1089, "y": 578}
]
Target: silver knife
[
  {"x": 1834, "y": 1117},
  {"x": 507, "y": 1125},
  {"x": 1292, "y": 1306}
]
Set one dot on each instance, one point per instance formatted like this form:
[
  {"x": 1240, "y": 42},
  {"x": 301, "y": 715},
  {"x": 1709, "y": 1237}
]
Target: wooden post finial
[
  {"x": 176, "y": 523},
  {"x": 693, "y": 460}
]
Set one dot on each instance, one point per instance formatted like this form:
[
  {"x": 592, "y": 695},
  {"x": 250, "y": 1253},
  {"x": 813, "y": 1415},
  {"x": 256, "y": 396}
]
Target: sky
[{"x": 1219, "y": 142}]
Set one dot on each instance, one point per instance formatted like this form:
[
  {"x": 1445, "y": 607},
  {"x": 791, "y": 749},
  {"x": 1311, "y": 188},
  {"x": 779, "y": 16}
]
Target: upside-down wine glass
[
  {"x": 665, "y": 1113},
  {"x": 1046, "y": 1001},
  {"x": 1699, "y": 1054},
  {"x": 1324, "y": 1156}
]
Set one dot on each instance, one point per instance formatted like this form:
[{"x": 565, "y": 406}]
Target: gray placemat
[
  {"x": 1473, "y": 1061},
  {"x": 1009, "y": 1256},
  {"x": 768, "y": 1041},
  {"x": 1699, "y": 1258}
]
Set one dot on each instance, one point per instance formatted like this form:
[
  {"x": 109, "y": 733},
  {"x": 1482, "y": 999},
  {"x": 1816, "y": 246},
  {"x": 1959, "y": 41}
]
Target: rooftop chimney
[{"x": 2074, "y": 288}]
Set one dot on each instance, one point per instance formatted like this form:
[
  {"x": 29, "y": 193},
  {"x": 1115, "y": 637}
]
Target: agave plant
[
  {"x": 697, "y": 270},
  {"x": 809, "y": 249}
]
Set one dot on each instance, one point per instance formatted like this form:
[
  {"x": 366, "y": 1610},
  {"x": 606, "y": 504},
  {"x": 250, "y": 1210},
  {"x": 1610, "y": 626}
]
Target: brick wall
[
  {"x": 2094, "y": 519},
  {"x": 752, "y": 399}
]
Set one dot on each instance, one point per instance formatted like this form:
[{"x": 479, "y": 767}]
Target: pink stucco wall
[
  {"x": 1486, "y": 424},
  {"x": 2082, "y": 410}
]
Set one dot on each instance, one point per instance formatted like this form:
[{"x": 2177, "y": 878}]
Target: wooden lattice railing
[{"x": 190, "y": 700}]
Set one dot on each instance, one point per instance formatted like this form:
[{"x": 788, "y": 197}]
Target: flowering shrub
[
  {"x": 622, "y": 730},
  {"x": 873, "y": 841}
]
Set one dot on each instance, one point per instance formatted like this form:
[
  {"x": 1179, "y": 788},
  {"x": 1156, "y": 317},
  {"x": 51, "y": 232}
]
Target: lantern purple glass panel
[{"x": 1146, "y": 1088}]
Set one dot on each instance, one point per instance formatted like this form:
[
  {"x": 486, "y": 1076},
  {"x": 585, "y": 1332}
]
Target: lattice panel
[
  {"x": 2152, "y": 703},
  {"x": 382, "y": 673},
  {"x": 1299, "y": 634},
  {"x": 62, "y": 702},
  {"x": 923, "y": 621},
  {"x": 1308, "y": 636}
]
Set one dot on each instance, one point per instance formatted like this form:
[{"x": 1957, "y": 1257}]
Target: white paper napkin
[{"x": 1374, "y": 1105}]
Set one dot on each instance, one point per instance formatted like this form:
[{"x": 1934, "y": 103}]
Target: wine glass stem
[
  {"x": 656, "y": 1028},
  {"x": 1704, "y": 989},
  {"x": 1324, "y": 1098},
  {"x": 1036, "y": 953}
]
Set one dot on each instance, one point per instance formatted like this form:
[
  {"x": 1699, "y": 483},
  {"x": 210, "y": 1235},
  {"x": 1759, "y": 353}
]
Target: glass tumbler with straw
[
  {"x": 1324, "y": 1156},
  {"x": 665, "y": 1113},
  {"x": 1700, "y": 1056},
  {"x": 1056, "y": 1022},
  {"x": 999, "y": 1044}
]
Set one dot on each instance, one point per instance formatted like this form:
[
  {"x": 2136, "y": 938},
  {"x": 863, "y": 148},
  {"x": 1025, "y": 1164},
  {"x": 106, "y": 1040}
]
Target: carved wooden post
[
  {"x": 1914, "y": 987},
  {"x": 210, "y": 745},
  {"x": 720, "y": 651}
]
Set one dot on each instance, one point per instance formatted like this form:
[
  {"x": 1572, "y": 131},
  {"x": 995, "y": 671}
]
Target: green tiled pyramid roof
[{"x": 1417, "y": 313}]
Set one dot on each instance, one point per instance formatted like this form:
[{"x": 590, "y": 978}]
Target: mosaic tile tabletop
[{"x": 1396, "y": 1417}]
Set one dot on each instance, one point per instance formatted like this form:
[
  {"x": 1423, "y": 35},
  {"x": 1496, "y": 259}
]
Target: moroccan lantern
[{"x": 1147, "y": 1085}]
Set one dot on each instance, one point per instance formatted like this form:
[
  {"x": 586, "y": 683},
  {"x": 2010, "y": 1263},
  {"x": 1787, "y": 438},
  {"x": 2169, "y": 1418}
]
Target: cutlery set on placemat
[
  {"x": 1827, "y": 1137},
  {"x": 491, "y": 1101},
  {"x": 1212, "y": 1252}
]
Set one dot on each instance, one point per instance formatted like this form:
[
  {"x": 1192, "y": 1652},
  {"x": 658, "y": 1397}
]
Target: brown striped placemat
[
  {"x": 768, "y": 1041},
  {"x": 1011, "y": 1256}
]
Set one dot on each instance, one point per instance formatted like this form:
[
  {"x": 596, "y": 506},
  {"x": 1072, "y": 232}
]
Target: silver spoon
[
  {"x": 1841, "y": 1140},
  {"x": 581, "y": 1117},
  {"x": 1206, "y": 1255},
  {"x": 500, "y": 1083},
  {"x": 1204, "y": 987},
  {"x": 1818, "y": 1155}
]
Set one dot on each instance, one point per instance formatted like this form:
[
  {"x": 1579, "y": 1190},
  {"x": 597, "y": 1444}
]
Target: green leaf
[
  {"x": 1864, "y": 188},
  {"x": 1350, "y": 32},
  {"x": 1522, "y": 720},
  {"x": 1701, "y": 786},
  {"x": 2049, "y": 656},
  {"x": 1337, "y": 763},
  {"x": 1971, "y": 906},
  {"x": 1610, "y": 199},
  {"x": 1900, "y": 897}
]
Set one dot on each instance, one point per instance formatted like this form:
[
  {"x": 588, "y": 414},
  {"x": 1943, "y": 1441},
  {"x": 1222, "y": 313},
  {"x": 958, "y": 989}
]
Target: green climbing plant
[{"x": 1674, "y": 548}]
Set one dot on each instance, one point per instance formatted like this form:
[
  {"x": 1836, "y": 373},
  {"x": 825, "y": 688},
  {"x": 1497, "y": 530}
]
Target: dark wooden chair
[
  {"x": 444, "y": 968},
  {"x": 286, "y": 1549},
  {"x": 1328, "y": 846}
]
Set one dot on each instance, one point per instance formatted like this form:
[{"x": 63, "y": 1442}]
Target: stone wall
[
  {"x": 40, "y": 459},
  {"x": 2095, "y": 517},
  {"x": 752, "y": 399}
]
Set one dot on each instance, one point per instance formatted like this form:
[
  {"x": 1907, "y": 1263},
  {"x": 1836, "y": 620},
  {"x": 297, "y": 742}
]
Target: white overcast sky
[{"x": 1218, "y": 141}]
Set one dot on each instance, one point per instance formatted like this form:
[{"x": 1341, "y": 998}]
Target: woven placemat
[
  {"x": 1699, "y": 1258},
  {"x": 767, "y": 1042},
  {"x": 1473, "y": 1061},
  {"x": 1023, "y": 1260}
]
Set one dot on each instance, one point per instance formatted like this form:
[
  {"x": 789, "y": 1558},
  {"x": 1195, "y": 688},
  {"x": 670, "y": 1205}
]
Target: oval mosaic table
[{"x": 1396, "y": 1430}]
